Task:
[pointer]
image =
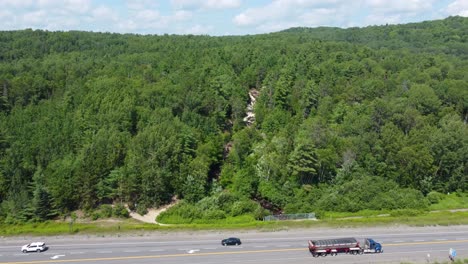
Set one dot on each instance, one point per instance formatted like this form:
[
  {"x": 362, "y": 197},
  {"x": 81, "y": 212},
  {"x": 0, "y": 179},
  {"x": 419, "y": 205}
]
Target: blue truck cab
[{"x": 372, "y": 245}]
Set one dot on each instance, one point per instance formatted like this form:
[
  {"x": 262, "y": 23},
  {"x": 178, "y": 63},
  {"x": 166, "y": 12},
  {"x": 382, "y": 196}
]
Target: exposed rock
[{"x": 249, "y": 119}]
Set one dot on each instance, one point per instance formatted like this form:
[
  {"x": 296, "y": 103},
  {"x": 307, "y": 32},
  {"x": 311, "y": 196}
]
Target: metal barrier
[{"x": 305, "y": 216}]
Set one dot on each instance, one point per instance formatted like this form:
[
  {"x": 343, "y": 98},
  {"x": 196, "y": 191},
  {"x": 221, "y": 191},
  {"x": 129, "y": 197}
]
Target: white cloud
[
  {"x": 16, "y": 3},
  {"x": 73, "y": 6},
  {"x": 198, "y": 30},
  {"x": 221, "y": 4},
  {"x": 104, "y": 13},
  {"x": 205, "y": 4},
  {"x": 287, "y": 10},
  {"x": 458, "y": 8},
  {"x": 141, "y": 4},
  {"x": 148, "y": 15},
  {"x": 181, "y": 15},
  {"x": 399, "y": 6}
]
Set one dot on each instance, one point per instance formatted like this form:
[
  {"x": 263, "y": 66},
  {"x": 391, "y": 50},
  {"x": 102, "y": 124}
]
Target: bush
[
  {"x": 105, "y": 211},
  {"x": 95, "y": 215},
  {"x": 141, "y": 209},
  {"x": 120, "y": 211},
  {"x": 434, "y": 197},
  {"x": 214, "y": 214},
  {"x": 243, "y": 207}
]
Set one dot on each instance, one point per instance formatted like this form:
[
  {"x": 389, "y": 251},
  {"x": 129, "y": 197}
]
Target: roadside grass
[
  {"x": 451, "y": 201},
  {"x": 117, "y": 227}
]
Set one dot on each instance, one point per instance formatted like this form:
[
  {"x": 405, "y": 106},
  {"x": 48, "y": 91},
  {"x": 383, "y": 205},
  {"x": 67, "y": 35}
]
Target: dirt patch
[{"x": 150, "y": 217}]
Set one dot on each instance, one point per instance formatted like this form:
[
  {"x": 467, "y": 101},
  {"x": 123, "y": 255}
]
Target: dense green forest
[{"x": 345, "y": 120}]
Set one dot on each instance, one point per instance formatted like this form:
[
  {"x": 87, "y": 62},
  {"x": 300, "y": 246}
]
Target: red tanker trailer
[{"x": 349, "y": 245}]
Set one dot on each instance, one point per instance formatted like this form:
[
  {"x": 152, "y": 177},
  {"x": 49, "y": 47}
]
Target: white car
[{"x": 34, "y": 247}]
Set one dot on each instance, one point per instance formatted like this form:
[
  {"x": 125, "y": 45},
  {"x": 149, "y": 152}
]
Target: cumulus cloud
[
  {"x": 16, "y": 4},
  {"x": 205, "y": 4},
  {"x": 281, "y": 14},
  {"x": 400, "y": 6},
  {"x": 198, "y": 30},
  {"x": 289, "y": 12},
  {"x": 181, "y": 15},
  {"x": 216, "y": 16},
  {"x": 73, "y": 6},
  {"x": 458, "y": 8},
  {"x": 104, "y": 13},
  {"x": 141, "y": 4}
]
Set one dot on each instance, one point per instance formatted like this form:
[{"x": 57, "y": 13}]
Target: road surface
[{"x": 400, "y": 244}]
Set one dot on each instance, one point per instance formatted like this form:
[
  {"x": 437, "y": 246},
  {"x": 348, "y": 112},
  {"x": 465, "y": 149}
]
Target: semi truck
[{"x": 348, "y": 245}]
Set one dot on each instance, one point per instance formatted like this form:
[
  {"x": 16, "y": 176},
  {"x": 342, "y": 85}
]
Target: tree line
[{"x": 346, "y": 119}]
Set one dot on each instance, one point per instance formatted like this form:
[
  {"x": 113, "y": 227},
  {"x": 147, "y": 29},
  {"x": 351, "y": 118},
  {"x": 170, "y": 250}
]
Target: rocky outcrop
[{"x": 249, "y": 119}]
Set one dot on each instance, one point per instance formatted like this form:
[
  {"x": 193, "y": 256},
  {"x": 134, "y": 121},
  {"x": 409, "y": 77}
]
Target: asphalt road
[{"x": 400, "y": 244}]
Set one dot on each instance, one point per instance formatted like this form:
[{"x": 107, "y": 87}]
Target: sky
[{"x": 217, "y": 17}]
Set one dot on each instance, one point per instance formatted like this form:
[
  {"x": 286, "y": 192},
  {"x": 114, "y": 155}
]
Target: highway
[{"x": 400, "y": 244}]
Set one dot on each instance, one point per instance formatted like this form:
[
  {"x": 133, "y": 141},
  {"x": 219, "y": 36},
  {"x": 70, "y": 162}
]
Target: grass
[
  {"x": 116, "y": 227},
  {"x": 440, "y": 214},
  {"x": 451, "y": 201}
]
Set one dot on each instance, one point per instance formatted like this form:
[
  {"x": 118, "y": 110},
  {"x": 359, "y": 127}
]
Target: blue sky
[{"x": 217, "y": 17}]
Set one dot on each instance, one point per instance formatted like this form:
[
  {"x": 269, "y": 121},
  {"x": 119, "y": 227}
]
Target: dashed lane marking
[{"x": 213, "y": 253}]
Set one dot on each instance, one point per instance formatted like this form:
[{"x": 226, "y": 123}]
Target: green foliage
[
  {"x": 120, "y": 211},
  {"x": 434, "y": 197},
  {"x": 223, "y": 206},
  {"x": 345, "y": 119}
]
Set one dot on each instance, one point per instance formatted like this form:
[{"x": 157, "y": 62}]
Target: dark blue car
[{"x": 231, "y": 241}]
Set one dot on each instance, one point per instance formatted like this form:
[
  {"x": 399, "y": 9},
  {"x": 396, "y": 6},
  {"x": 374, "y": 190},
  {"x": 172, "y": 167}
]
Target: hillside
[
  {"x": 345, "y": 120},
  {"x": 446, "y": 36}
]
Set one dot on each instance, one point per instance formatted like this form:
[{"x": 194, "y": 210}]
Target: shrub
[
  {"x": 120, "y": 211},
  {"x": 105, "y": 210},
  {"x": 95, "y": 215},
  {"x": 434, "y": 197},
  {"x": 214, "y": 214},
  {"x": 243, "y": 207},
  {"x": 141, "y": 209}
]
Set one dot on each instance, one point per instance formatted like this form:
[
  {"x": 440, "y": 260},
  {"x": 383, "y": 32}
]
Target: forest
[{"x": 343, "y": 120}]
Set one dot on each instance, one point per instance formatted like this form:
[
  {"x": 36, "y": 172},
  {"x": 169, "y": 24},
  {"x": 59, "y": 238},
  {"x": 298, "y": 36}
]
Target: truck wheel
[
  {"x": 354, "y": 252},
  {"x": 324, "y": 254},
  {"x": 24, "y": 251},
  {"x": 334, "y": 253},
  {"x": 315, "y": 255},
  {"x": 361, "y": 252}
]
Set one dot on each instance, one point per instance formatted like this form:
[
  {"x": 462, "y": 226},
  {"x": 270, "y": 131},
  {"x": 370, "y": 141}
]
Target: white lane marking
[
  {"x": 104, "y": 252},
  {"x": 156, "y": 250},
  {"x": 131, "y": 251},
  {"x": 76, "y": 252},
  {"x": 57, "y": 256},
  {"x": 418, "y": 240},
  {"x": 210, "y": 248},
  {"x": 193, "y": 251},
  {"x": 251, "y": 239},
  {"x": 398, "y": 241}
]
